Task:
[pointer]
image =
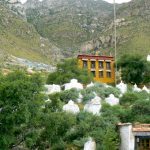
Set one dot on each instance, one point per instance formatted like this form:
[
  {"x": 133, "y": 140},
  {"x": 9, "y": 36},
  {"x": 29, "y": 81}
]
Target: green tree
[
  {"x": 141, "y": 111},
  {"x": 20, "y": 102},
  {"x": 133, "y": 68},
  {"x": 67, "y": 95},
  {"x": 69, "y": 70},
  {"x": 147, "y": 74},
  {"x": 128, "y": 99},
  {"x": 55, "y": 126}
]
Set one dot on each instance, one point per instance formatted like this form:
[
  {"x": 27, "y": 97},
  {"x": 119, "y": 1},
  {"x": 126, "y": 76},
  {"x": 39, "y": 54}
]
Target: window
[
  {"x": 108, "y": 74},
  {"x": 92, "y": 64},
  {"x": 101, "y": 74},
  {"x": 93, "y": 73},
  {"x": 108, "y": 65},
  {"x": 84, "y": 64},
  {"x": 101, "y": 66}
]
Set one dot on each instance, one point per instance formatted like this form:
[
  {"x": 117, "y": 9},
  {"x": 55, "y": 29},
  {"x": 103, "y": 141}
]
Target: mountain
[
  {"x": 20, "y": 39},
  {"x": 67, "y": 26},
  {"x": 68, "y": 23},
  {"x": 133, "y": 31}
]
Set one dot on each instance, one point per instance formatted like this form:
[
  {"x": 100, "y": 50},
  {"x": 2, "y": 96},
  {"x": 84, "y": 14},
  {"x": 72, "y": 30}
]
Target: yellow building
[{"x": 102, "y": 67}]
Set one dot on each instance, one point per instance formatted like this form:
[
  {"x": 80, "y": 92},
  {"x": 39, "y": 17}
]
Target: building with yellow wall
[{"x": 102, "y": 67}]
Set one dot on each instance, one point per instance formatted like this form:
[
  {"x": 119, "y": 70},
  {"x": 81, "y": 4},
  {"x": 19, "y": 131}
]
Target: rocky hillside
[
  {"x": 19, "y": 38},
  {"x": 68, "y": 23},
  {"x": 133, "y": 30},
  {"x": 73, "y": 25}
]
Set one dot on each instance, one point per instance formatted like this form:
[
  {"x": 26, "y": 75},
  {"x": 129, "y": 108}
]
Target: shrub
[
  {"x": 67, "y": 95},
  {"x": 67, "y": 71}
]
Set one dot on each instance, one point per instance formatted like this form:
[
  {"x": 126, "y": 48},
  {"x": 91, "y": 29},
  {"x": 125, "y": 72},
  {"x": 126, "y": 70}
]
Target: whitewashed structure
[
  {"x": 73, "y": 84},
  {"x": 79, "y": 100},
  {"x": 93, "y": 106},
  {"x": 90, "y": 145},
  {"x": 106, "y": 85},
  {"x": 90, "y": 85},
  {"x": 127, "y": 137},
  {"x": 136, "y": 89},
  {"x": 145, "y": 89},
  {"x": 148, "y": 57},
  {"x": 71, "y": 107},
  {"x": 122, "y": 87},
  {"x": 135, "y": 137},
  {"x": 112, "y": 100},
  {"x": 52, "y": 88}
]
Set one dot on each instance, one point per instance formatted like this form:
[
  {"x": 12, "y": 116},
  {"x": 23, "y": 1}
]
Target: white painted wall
[{"x": 127, "y": 137}]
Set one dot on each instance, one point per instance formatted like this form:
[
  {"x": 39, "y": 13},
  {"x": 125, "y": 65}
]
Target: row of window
[
  {"x": 100, "y": 63},
  {"x": 101, "y": 74}
]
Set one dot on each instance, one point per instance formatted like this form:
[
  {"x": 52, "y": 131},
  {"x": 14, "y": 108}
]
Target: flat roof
[
  {"x": 141, "y": 128},
  {"x": 98, "y": 57}
]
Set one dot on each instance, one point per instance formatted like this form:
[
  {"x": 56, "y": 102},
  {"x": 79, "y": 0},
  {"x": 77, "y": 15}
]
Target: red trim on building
[{"x": 95, "y": 57}]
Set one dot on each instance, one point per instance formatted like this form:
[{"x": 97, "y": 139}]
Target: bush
[
  {"x": 134, "y": 68},
  {"x": 67, "y": 95},
  {"x": 141, "y": 111},
  {"x": 67, "y": 71},
  {"x": 128, "y": 99},
  {"x": 100, "y": 90}
]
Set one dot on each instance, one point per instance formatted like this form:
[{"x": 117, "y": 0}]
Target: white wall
[{"x": 127, "y": 137}]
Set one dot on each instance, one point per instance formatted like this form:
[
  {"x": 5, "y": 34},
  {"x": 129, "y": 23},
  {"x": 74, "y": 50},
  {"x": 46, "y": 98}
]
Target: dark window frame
[
  {"x": 108, "y": 65},
  {"x": 101, "y": 64},
  {"x": 93, "y": 64},
  {"x": 93, "y": 73},
  {"x": 85, "y": 62},
  {"x": 101, "y": 75},
  {"x": 108, "y": 74}
]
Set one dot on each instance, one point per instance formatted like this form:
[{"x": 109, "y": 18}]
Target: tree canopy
[
  {"x": 134, "y": 69},
  {"x": 68, "y": 70},
  {"x": 20, "y": 102}
]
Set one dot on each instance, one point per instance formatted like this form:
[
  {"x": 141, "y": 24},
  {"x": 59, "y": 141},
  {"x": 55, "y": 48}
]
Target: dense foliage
[
  {"x": 134, "y": 69},
  {"x": 20, "y": 102},
  {"x": 68, "y": 70},
  {"x": 28, "y": 120}
]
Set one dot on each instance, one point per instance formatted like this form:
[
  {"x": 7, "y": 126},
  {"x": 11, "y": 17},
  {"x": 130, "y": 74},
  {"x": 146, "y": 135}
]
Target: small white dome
[
  {"x": 90, "y": 85},
  {"x": 79, "y": 100},
  {"x": 94, "y": 106},
  {"x": 71, "y": 107},
  {"x": 122, "y": 87},
  {"x": 136, "y": 89},
  {"x": 52, "y": 89},
  {"x": 112, "y": 100},
  {"x": 73, "y": 84},
  {"x": 90, "y": 145},
  {"x": 145, "y": 89},
  {"x": 148, "y": 57}
]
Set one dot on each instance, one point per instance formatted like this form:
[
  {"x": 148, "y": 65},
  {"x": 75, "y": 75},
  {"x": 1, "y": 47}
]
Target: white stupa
[
  {"x": 90, "y": 85},
  {"x": 79, "y": 100},
  {"x": 73, "y": 84},
  {"x": 136, "y": 89},
  {"x": 148, "y": 57},
  {"x": 52, "y": 89},
  {"x": 112, "y": 100},
  {"x": 94, "y": 106},
  {"x": 106, "y": 85},
  {"x": 71, "y": 107},
  {"x": 145, "y": 89},
  {"x": 122, "y": 87},
  {"x": 90, "y": 145}
]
